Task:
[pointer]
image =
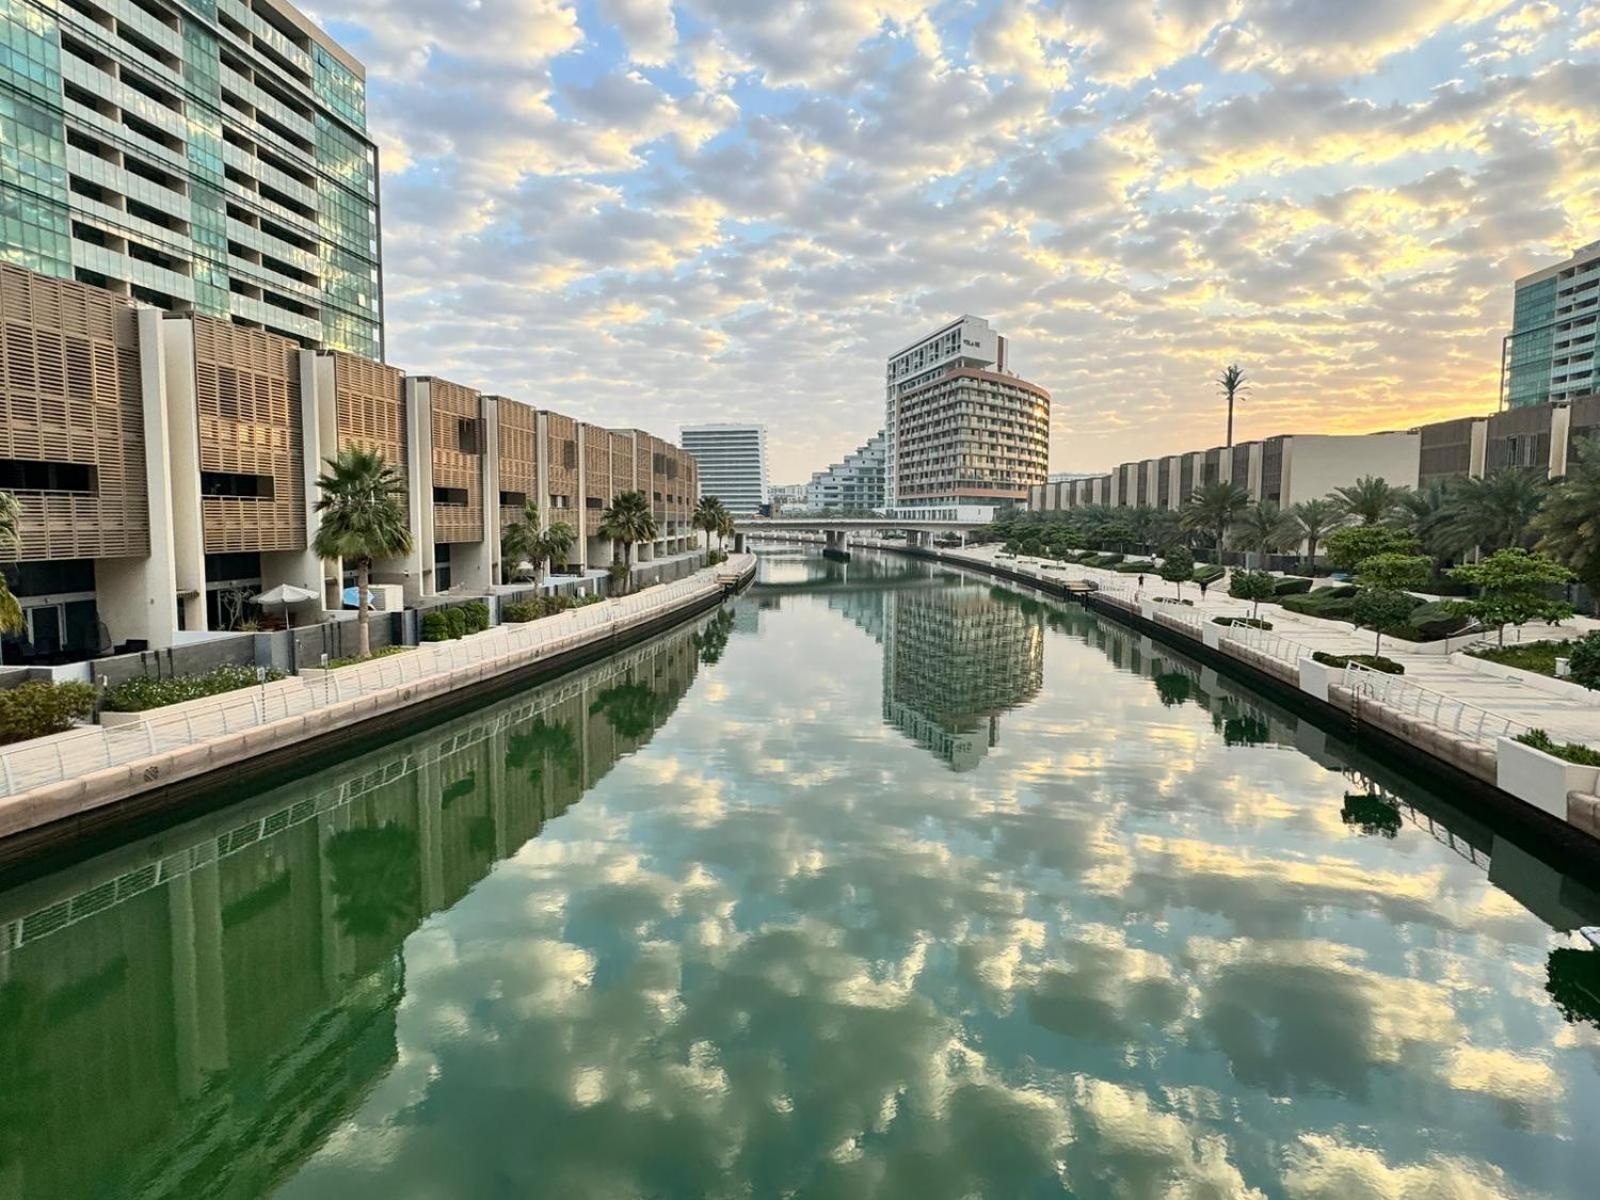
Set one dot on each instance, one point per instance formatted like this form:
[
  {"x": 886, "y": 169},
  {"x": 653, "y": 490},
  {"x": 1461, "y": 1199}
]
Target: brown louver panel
[
  {"x": 621, "y": 462},
  {"x": 562, "y": 457},
  {"x": 519, "y": 456},
  {"x": 70, "y": 392},
  {"x": 597, "y": 464},
  {"x": 455, "y": 464},
  {"x": 247, "y": 392},
  {"x": 371, "y": 407}
]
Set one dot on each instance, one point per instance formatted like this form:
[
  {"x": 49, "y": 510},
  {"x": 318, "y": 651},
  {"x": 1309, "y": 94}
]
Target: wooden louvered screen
[
  {"x": 621, "y": 462},
  {"x": 247, "y": 391},
  {"x": 596, "y": 465},
  {"x": 456, "y": 464},
  {"x": 70, "y": 392},
  {"x": 562, "y": 458},
  {"x": 371, "y": 407},
  {"x": 519, "y": 456}
]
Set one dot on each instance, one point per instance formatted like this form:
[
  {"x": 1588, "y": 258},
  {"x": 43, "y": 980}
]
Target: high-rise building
[
  {"x": 960, "y": 428},
  {"x": 854, "y": 485},
  {"x": 1550, "y": 352},
  {"x": 206, "y": 156},
  {"x": 733, "y": 464}
]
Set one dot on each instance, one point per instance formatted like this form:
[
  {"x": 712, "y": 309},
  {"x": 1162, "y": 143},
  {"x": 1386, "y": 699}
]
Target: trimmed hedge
[
  {"x": 1291, "y": 587},
  {"x": 1252, "y": 622},
  {"x": 356, "y": 659},
  {"x": 538, "y": 607},
  {"x": 456, "y": 621},
  {"x": 1208, "y": 573},
  {"x": 1375, "y": 661},
  {"x": 38, "y": 708},
  {"x": 142, "y": 694},
  {"x": 1572, "y": 752}
]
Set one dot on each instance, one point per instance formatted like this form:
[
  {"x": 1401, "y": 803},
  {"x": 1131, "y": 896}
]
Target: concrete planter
[
  {"x": 1541, "y": 779},
  {"x": 1211, "y": 634},
  {"x": 315, "y": 674},
  {"x": 1543, "y": 683},
  {"x": 111, "y": 720},
  {"x": 1316, "y": 677}
]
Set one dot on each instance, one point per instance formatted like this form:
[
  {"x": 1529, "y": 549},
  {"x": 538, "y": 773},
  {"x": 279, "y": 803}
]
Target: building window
[
  {"x": 513, "y": 499},
  {"x": 449, "y": 495},
  {"x": 469, "y": 435},
  {"x": 33, "y": 475},
  {"x": 222, "y": 483}
]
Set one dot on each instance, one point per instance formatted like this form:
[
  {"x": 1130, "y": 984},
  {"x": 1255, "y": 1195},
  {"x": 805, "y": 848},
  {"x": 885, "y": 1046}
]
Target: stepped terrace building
[
  {"x": 961, "y": 430},
  {"x": 166, "y": 465},
  {"x": 854, "y": 485},
  {"x": 198, "y": 157}
]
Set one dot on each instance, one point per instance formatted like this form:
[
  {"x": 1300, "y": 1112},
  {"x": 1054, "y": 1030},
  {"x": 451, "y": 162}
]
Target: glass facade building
[
  {"x": 1549, "y": 354},
  {"x": 205, "y": 156}
]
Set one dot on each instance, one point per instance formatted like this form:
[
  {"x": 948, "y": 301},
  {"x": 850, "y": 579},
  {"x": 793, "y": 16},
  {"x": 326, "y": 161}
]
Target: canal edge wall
[
  {"x": 1398, "y": 738},
  {"x": 49, "y": 816}
]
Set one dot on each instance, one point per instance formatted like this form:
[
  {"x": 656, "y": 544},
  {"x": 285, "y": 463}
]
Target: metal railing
[
  {"x": 82, "y": 751},
  {"x": 1264, "y": 641},
  {"x": 1410, "y": 699}
]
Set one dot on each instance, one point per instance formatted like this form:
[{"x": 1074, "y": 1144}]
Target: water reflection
[{"x": 1160, "y": 940}]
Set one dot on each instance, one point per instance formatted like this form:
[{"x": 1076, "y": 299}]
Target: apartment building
[
  {"x": 166, "y": 465},
  {"x": 733, "y": 464},
  {"x": 198, "y": 157},
  {"x": 1549, "y": 355},
  {"x": 960, "y": 428},
  {"x": 855, "y": 484}
]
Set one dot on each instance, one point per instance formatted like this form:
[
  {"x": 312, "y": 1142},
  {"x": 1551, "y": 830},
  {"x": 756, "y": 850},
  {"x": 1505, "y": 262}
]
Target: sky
[{"x": 660, "y": 212}]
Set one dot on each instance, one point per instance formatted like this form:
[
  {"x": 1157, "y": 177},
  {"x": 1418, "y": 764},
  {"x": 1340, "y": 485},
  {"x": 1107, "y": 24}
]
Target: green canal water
[{"x": 881, "y": 881}]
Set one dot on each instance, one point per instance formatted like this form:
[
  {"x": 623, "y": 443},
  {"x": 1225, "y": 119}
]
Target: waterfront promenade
[{"x": 53, "y": 779}]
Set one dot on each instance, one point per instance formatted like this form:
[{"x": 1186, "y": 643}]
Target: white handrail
[
  {"x": 1413, "y": 700},
  {"x": 77, "y": 752}
]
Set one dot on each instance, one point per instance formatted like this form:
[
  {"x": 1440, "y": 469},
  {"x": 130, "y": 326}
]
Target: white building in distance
[
  {"x": 733, "y": 464},
  {"x": 854, "y": 485}
]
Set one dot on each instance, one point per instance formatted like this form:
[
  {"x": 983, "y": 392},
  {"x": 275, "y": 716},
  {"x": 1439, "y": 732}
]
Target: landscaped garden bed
[
  {"x": 145, "y": 693},
  {"x": 38, "y": 709}
]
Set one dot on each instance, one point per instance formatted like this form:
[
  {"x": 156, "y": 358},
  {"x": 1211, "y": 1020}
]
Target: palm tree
[
  {"x": 725, "y": 527},
  {"x": 1232, "y": 385},
  {"x": 557, "y": 541},
  {"x": 1316, "y": 519},
  {"x": 629, "y": 520},
  {"x": 11, "y": 618},
  {"x": 1423, "y": 513},
  {"x": 1371, "y": 499},
  {"x": 1493, "y": 513},
  {"x": 708, "y": 516},
  {"x": 363, "y": 518},
  {"x": 1265, "y": 529},
  {"x": 1568, "y": 528},
  {"x": 1212, "y": 508}
]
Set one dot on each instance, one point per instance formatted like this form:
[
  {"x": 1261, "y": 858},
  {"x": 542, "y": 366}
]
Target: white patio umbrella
[{"x": 286, "y": 595}]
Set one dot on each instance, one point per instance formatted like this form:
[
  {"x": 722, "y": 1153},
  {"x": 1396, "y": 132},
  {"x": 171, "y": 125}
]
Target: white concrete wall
[
  {"x": 414, "y": 572},
  {"x": 183, "y": 462},
  {"x": 1315, "y": 464}
]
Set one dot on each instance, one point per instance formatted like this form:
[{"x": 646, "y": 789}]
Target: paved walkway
[{"x": 1566, "y": 718}]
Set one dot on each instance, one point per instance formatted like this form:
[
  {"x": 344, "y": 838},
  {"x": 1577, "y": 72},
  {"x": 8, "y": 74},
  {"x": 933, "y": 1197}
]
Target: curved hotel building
[{"x": 962, "y": 430}]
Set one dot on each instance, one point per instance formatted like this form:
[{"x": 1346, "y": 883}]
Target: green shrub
[
  {"x": 435, "y": 626},
  {"x": 516, "y": 612},
  {"x": 1208, "y": 574},
  {"x": 1538, "y": 657},
  {"x": 1436, "y": 619},
  {"x": 37, "y": 708},
  {"x": 383, "y": 652},
  {"x": 1585, "y": 665},
  {"x": 1252, "y": 622},
  {"x": 1291, "y": 587},
  {"x": 455, "y": 621},
  {"x": 1329, "y": 603},
  {"x": 138, "y": 695},
  {"x": 1137, "y": 567},
  {"x": 475, "y": 614},
  {"x": 1376, "y": 662},
  {"x": 1572, "y": 752}
]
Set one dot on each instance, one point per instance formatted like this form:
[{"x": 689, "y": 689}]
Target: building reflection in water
[{"x": 192, "y": 1015}]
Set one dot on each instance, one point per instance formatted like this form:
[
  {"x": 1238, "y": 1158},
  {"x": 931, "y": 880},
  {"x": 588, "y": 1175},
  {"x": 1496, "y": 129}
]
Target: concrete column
[
  {"x": 430, "y": 834},
  {"x": 194, "y": 904},
  {"x": 1254, "y": 483},
  {"x": 1478, "y": 448},
  {"x": 415, "y": 570},
  {"x": 183, "y": 461},
  {"x": 1560, "y": 436},
  {"x": 137, "y": 597},
  {"x": 491, "y": 486},
  {"x": 320, "y": 410}
]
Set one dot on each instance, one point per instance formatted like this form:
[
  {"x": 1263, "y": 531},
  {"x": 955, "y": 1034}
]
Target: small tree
[
  {"x": 363, "y": 517},
  {"x": 1382, "y": 602},
  {"x": 1512, "y": 587},
  {"x": 1352, "y": 545},
  {"x": 1254, "y": 586},
  {"x": 1178, "y": 567}
]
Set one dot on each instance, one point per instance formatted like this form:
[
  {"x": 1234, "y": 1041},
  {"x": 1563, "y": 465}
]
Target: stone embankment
[{"x": 95, "y": 776}]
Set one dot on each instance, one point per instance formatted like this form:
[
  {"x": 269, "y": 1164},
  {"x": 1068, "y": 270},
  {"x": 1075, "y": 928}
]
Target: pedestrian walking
[
  {"x": 1202, "y": 589},
  {"x": 1141, "y": 581}
]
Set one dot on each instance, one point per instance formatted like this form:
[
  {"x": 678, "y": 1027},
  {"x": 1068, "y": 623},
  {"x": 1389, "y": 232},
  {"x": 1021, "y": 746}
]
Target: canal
[{"x": 880, "y": 881}]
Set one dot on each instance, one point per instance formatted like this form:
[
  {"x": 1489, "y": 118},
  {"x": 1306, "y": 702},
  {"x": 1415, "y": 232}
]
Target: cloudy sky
[{"x": 655, "y": 212}]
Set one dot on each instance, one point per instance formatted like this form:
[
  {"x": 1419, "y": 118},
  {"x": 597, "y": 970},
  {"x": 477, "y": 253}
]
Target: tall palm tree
[
  {"x": 1212, "y": 509},
  {"x": 725, "y": 527},
  {"x": 1265, "y": 529},
  {"x": 557, "y": 541},
  {"x": 1316, "y": 519},
  {"x": 1232, "y": 385},
  {"x": 1493, "y": 513},
  {"x": 629, "y": 520},
  {"x": 1370, "y": 499},
  {"x": 1568, "y": 528},
  {"x": 363, "y": 518},
  {"x": 710, "y": 515},
  {"x": 1423, "y": 513},
  {"x": 11, "y": 618}
]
